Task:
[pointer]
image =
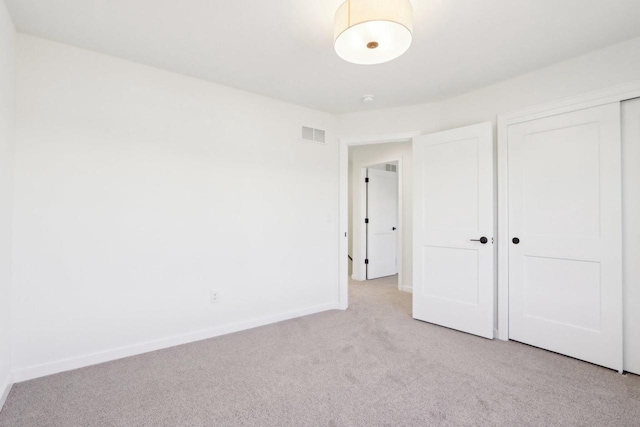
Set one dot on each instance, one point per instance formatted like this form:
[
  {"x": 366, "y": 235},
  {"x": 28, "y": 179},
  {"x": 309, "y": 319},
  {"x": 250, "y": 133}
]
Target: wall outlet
[{"x": 215, "y": 296}]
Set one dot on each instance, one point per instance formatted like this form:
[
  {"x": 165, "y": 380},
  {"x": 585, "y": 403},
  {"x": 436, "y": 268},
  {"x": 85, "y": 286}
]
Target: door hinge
[
  {"x": 366, "y": 220},
  {"x": 366, "y": 180},
  {"x": 366, "y": 261}
]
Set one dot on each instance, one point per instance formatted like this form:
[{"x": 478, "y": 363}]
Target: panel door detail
[
  {"x": 453, "y": 229},
  {"x": 565, "y": 261},
  {"x": 382, "y": 213}
]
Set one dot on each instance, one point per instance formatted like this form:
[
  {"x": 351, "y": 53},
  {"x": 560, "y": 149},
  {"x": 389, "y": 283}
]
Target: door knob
[
  {"x": 482, "y": 240},
  {"x": 394, "y": 229},
  {"x": 515, "y": 240}
]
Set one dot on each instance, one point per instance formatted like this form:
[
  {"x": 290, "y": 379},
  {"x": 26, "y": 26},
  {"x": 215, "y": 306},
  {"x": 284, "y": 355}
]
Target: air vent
[
  {"x": 390, "y": 168},
  {"x": 318, "y": 135},
  {"x": 313, "y": 135}
]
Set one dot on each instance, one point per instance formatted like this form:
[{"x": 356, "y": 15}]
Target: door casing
[{"x": 345, "y": 143}]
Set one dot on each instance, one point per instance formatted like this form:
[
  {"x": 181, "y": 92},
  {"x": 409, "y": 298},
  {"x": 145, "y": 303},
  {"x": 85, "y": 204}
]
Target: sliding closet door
[
  {"x": 565, "y": 239},
  {"x": 631, "y": 228}
]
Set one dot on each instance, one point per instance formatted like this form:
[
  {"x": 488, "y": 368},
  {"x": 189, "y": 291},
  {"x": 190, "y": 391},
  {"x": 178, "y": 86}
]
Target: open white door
[
  {"x": 453, "y": 283},
  {"x": 382, "y": 217}
]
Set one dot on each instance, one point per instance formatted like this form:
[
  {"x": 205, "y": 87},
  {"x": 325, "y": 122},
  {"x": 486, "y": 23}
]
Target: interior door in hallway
[
  {"x": 382, "y": 217},
  {"x": 565, "y": 249},
  {"x": 453, "y": 277}
]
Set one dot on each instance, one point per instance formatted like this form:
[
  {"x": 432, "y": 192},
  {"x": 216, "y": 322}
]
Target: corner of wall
[
  {"x": 5, "y": 389},
  {"x": 72, "y": 363},
  {"x": 8, "y": 37}
]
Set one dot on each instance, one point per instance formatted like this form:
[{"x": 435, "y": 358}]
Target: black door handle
[
  {"x": 394, "y": 229},
  {"x": 515, "y": 240},
  {"x": 482, "y": 240}
]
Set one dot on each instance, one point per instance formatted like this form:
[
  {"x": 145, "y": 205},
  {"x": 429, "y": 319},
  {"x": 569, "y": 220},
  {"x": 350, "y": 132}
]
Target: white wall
[
  {"x": 367, "y": 155},
  {"x": 423, "y": 118},
  {"x": 350, "y": 215},
  {"x": 596, "y": 70},
  {"x": 7, "y": 112},
  {"x": 139, "y": 190}
]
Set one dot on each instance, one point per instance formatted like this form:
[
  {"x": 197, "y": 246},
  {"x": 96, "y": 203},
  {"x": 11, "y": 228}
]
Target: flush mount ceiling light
[{"x": 373, "y": 31}]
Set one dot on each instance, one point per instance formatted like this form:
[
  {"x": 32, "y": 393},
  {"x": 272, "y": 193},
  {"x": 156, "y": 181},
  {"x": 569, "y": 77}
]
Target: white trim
[
  {"x": 407, "y": 289},
  {"x": 345, "y": 143},
  {"x": 616, "y": 93},
  {"x": 379, "y": 139},
  {"x": 37, "y": 371},
  {"x": 608, "y": 95},
  {"x": 6, "y": 389},
  {"x": 359, "y": 252},
  {"x": 363, "y": 229}
]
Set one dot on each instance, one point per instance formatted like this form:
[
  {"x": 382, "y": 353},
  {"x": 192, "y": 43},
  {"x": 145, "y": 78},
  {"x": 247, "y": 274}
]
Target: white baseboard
[
  {"x": 407, "y": 289},
  {"x": 6, "y": 388},
  {"x": 37, "y": 371}
]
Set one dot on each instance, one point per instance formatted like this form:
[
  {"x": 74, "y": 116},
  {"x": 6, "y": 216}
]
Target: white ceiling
[{"x": 284, "y": 48}]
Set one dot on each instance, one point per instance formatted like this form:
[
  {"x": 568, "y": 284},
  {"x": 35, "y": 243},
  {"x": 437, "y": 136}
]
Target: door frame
[
  {"x": 618, "y": 93},
  {"x": 364, "y": 201},
  {"x": 345, "y": 143}
]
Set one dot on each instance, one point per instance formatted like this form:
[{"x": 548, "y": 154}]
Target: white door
[
  {"x": 631, "y": 232},
  {"x": 382, "y": 216},
  {"x": 453, "y": 209},
  {"x": 565, "y": 268}
]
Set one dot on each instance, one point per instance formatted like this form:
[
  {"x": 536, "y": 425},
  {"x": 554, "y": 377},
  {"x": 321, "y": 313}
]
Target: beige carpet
[{"x": 371, "y": 365}]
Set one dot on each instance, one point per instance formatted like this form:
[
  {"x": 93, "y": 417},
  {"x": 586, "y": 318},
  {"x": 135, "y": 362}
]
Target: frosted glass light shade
[{"x": 373, "y": 31}]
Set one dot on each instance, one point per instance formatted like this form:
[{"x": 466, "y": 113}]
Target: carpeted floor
[{"x": 371, "y": 365}]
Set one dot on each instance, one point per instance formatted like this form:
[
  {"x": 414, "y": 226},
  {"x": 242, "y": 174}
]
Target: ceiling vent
[{"x": 313, "y": 135}]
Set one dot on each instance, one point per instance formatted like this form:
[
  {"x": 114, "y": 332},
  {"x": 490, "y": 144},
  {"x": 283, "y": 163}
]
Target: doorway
[
  {"x": 378, "y": 233},
  {"x": 451, "y": 225}
]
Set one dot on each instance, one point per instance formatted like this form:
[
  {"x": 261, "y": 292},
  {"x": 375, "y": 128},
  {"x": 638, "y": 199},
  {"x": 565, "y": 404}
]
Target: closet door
[
  {"x": 631, "y": 229},
  {"x": 565, "y": 236}
]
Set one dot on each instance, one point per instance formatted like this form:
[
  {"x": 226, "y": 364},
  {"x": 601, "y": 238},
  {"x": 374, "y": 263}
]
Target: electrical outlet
[{"x": 215, "y": 296}]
